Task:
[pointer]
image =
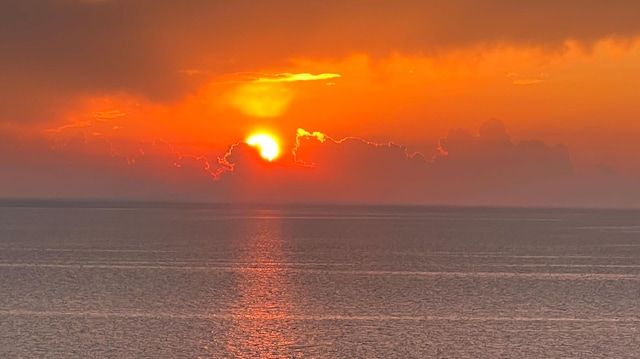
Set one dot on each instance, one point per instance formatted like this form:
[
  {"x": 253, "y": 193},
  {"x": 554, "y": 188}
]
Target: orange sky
[{"x": 429, "y": 102}]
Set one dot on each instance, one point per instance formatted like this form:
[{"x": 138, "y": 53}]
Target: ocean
[{"x": 126, "y": 280}]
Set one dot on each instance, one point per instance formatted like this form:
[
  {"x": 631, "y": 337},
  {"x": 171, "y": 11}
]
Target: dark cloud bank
[{"x": 486, "y": 168}]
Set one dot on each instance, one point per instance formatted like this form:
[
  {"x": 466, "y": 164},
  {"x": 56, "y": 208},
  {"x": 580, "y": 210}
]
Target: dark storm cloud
[{"x": 54, "y": 49}]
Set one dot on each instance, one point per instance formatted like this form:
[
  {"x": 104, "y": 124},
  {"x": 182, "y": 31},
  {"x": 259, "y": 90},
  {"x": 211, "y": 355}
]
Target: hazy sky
[{"x": 433, "y": 102}]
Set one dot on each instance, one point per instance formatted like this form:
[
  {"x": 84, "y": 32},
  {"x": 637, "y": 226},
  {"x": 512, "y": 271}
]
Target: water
[{"x": 80, "y": 280}]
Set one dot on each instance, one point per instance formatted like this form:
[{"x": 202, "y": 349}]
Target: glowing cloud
[
  {"x": 322, "y": 138},
  {"x": 304, "y": 76},
  {"x": 304, "y": 133}
]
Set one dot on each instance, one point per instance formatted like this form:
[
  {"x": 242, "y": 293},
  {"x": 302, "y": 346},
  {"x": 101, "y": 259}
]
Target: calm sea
[{"x": 91, "y": 280}]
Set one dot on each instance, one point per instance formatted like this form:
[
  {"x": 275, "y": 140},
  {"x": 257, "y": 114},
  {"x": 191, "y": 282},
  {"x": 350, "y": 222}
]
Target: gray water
[{"x": 91, "y": 280}]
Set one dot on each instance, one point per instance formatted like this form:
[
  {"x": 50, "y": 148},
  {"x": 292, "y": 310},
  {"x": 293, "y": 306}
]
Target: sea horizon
[{"x": 189, "y": 203}]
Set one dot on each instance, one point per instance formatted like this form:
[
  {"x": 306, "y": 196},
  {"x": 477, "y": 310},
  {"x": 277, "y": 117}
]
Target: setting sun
[{"x": 269, "y": 149}]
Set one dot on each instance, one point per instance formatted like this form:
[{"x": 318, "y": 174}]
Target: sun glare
[{"x": 269, "y": 149}]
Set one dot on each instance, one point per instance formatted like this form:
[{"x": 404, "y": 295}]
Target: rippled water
[{"x": 79, "y": 281}]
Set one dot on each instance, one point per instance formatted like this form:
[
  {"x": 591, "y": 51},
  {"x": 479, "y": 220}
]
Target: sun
[{"x": 269, "y": 148}]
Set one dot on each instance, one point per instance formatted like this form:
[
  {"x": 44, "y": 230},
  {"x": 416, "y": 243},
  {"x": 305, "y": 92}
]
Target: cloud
[
  {"x": 490, "y": 168},
  {"x": 54, "y": 50},
  {"x": 473, "y": 166},
  {"x": 424, "y": 66},
  {"x": 492, "y": 153},
  {"x": 108, "y": 115},
  {"x": 289, "y": 77},
  {"x": 526, "y": 81},
  {"x": 487, "y": 168}
]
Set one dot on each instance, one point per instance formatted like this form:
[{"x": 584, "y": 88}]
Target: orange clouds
[
  {"x": 53, "y": 50},
  {"x": 407, "y": 99},
  {"x": 170, "y": 89}
]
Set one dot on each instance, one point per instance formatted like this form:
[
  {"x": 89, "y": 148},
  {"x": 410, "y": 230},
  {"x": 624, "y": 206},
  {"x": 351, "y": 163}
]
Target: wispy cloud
[
  {"x": 526, "y": 81},
  {"x": 107, "y": 115},
  {"x": 291, "y": 77}
]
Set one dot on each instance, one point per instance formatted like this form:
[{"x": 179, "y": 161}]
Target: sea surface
[{"x": 109, "y": 280}]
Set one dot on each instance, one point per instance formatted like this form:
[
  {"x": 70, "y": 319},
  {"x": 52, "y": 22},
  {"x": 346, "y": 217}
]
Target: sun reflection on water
[{"x": 260, "y": 328}]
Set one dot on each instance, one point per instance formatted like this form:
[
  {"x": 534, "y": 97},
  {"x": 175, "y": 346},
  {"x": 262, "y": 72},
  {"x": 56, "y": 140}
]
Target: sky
[{"x": 457, "y": 102}]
